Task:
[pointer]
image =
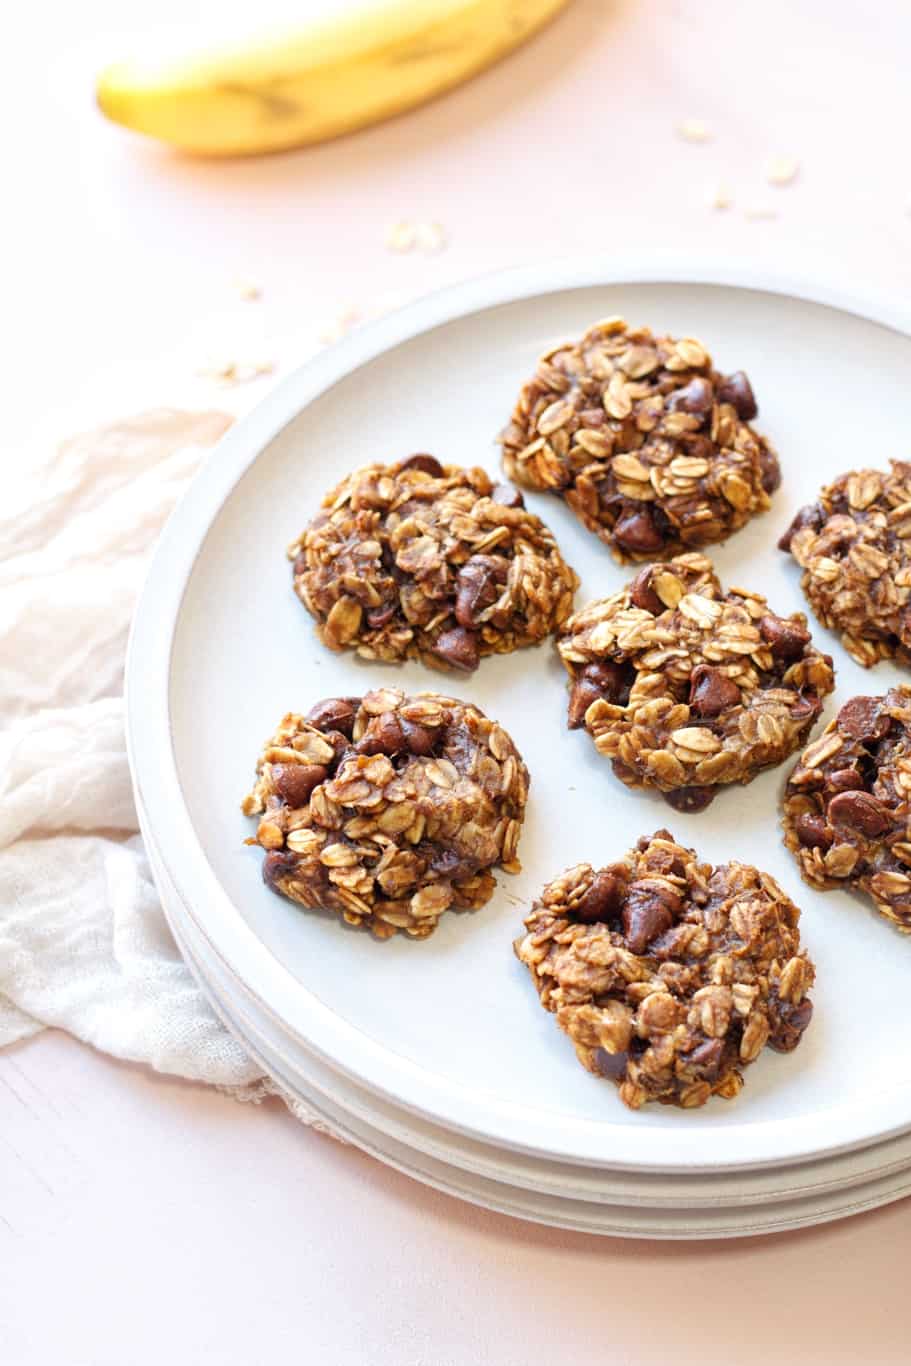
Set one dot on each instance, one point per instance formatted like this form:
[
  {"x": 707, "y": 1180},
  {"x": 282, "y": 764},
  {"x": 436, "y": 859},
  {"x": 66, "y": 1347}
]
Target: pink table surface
[{"x": 142, "y": 1220}]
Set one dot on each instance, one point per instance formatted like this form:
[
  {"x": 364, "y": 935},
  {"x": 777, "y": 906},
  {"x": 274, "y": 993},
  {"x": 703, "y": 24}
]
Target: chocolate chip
[
  {"x": 507, "y": 495},
  {"x": 858, "y": 811},
  {"x": 736, "y": 389},
  {"x": 792, "y": 1021},
  {"x": 334, "y": 713},
  {"x": 769, "y": 469},
  {"x": 644, "y": 841},
  {"x": 666, "y": 861},
  {"x": 450, "y": 864},
  {"x": 611, "y": 1065},
  {"x": 644, "y": 923},
  {"x": 341, "y": 745},
  {"x": 844, "y": 780},
  {"x": 711, "y": 692},
  {"x": 277, "y": 864},
  {"x": 690, "y": 799},
  {"x": 605, "y": 680},
  {"x": 696, "y": 397},
  {"x": 811, "y": 830},
  {"x": 812, "y": 515},
  {"x": 800, "y": 1014},
  {"x": 478, "y": 586},
  {"x": 698, "y": 446},
  {"x": 613, "y": 677},
  {"x": 604, "y": 897},
  {"x": 863, "y": 719},
  {"x": 384, "y": 735},
  {"x": 458, "y": 648},
  {"x": 804, "y": 707},
  {"x": 428, "y": 463},
  {"x": 581, "y": 696},
  {"x": 418, "y": 739},
  {"x": 381, "y": 616},
  {"x": 647, "y": 912},
  {"x": 705, "y": 1058},
  {"x": 295, "y": 782},
  {"x": 643, "y": 595},
  {"x": 786, "y": 639},
  {"x": 637, "y": 532}
]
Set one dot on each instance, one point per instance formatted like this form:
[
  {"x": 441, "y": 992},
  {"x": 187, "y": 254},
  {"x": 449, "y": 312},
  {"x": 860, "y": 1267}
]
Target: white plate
[
  {"x": 603, "y": 1215},
  {"x": 825, "y": 1183},
  {"x": 450, "y": 1027}
]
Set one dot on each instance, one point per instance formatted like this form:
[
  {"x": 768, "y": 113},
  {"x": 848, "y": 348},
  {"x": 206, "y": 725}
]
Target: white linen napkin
[{"x": 84, "y": 945}]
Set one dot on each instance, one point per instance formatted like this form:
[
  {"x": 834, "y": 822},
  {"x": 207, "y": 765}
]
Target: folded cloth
[{"x": 84, "y": 945}]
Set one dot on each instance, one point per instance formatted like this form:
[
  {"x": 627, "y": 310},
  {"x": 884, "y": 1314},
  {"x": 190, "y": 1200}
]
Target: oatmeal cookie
[
  {"x": 668, "y": 975},
  {"x": 686, "y": 687},
  {"x": 853, "y": 547},
  {"x": 417, "y": 560},
  {"x": 847, "y": 805},
  {"x": 388, "y": 809},
  {"x": 649, "y": 445}
]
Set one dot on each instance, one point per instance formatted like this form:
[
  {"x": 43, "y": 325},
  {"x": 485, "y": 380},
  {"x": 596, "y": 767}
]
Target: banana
[{"x": 318, "y": 79}]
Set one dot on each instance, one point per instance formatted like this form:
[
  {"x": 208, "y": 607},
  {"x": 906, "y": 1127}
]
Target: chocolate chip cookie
[
  {"x": 848, "y": 804},
  {"x": 668, "y": 975},
  {"x": 388, "y": 809},
  {"x": 686, "y": 687},
  {"x": 853, "y": 547},
  {"x": 650, "y": 446},
  {"x": 418, "y": 560}
]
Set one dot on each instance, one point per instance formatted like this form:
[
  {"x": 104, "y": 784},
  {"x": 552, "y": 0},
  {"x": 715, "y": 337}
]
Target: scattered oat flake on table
[
  {"x": 401, "y": 236},
  {"x": 247, "y": 290},
  {"x": 430, "y": 237},
  {"x": 340, "y": 326},
  {"x": 721, "y": 198},
  {"x": 236, "y": 372},
  {"x": 426, "y": 236},
  {"x": 782, "y": 171},
  {"x": 694, "y": 130},
  {"x": 352, "y": 316}
]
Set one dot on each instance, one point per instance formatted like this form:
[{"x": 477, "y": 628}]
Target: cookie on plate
[
  {"x": 853, "y": 547},
  {"x": 686, "y": 687},
  {"x": 848, "y": 804},
  {"x": 668, "y": 975},
  {"x": 388, "y": 809},
  {"x": 650, "y": 446},
  {"x": 418, "y": 560}
]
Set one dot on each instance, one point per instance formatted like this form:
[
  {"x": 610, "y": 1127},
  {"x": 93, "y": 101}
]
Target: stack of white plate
[{"x": 435, "y": 1055}]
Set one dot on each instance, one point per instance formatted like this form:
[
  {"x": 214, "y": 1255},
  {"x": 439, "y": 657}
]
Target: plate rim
[
  {"x": 615, "y": 1218},
  {"x": 154, "y": 770},
  {"x": 252, "y": 1028}
]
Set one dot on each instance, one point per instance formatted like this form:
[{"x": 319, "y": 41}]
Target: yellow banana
[{"x": 317, "y": 79}]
